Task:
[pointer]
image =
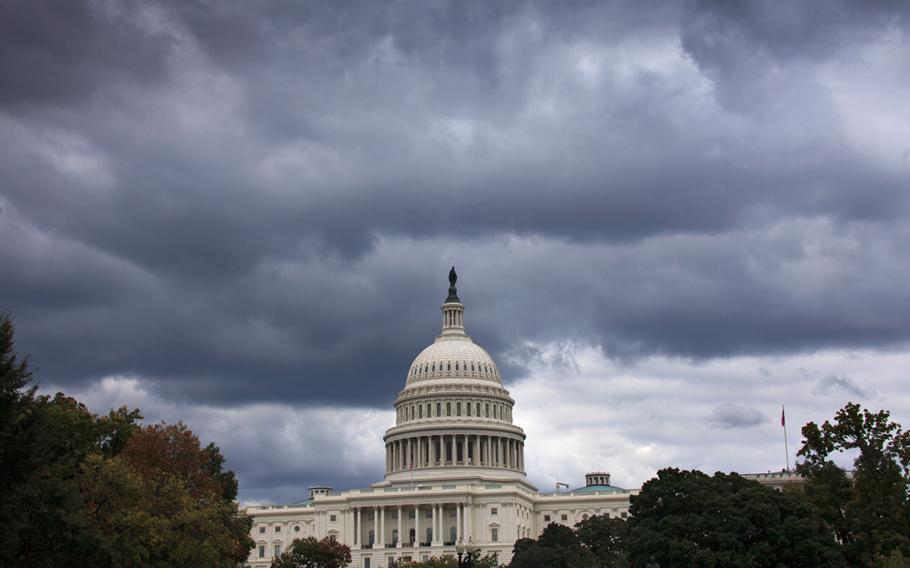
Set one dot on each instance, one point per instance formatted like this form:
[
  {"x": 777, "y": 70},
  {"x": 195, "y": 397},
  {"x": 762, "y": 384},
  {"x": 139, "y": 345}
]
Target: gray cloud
[
  {"x": 243, "y": 204},
  {"x": 736, "y": 416},
  {"x": 840, "y": 383}
]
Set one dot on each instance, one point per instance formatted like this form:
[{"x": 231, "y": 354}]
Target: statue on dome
[{"x": 453, "y": 292}]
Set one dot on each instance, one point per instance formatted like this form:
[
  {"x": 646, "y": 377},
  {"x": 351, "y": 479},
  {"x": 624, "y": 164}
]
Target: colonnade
[
  {"x": 418, "y": 452},
  {"x": 377, "y": 533}
]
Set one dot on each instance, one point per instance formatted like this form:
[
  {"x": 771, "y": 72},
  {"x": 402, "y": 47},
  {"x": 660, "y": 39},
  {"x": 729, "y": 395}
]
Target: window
[
  {"x": 478, "y": 409},
  {"x": 429, "y": 514},
  {"x": 394, "y": 536},
  {"x": 453, "y": 534},
  {"x": 410, "y": 514},
  {"x": 488, "y": 409},
  {"x": 332, "y": 518},
  {"x": 429, "y": 534},
  {"x": 494, "y": 535},
  {"x": 565, "y": 517},
  {"x": 366, "y": 563},
  {"x": 546, "y": 518},
  {"x": 278, "y": 528},
  {"x": 438, "y": 409},
  {"x": 261, "y": 551},
  {"x": 584, "y": 517},
  {"x": 411, "y": 535},
  {"x": 468, "y": 408},
  {"x": 456, "y": 365},
  {"x": 372, "y": 537},
  {"x": 494, "y": 411},
  {"x": 457, "y": 409},
  {"x": 448, "y": 409},
  {"x": 429, "y": 406},
  {"x": 449, "y": 368},
  {"x": 261, "y": 530},
  {"x": 420, "y": 412},
  {"x": 494, "y": 511},
  {"x": 297, "y": 528},
  {"x": 277, "y": 550}
]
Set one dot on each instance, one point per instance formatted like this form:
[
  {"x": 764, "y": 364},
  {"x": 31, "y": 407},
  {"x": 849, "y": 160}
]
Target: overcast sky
[{"x": 668, "y": 218}]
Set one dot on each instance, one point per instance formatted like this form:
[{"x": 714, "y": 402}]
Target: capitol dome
[{"x": 453, "y": 417}]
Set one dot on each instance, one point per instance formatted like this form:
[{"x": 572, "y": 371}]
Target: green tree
[
  {"x": 449, "y": 561},
  {"x": 605, "y": 538},
  {"x": 686, "y": 518},
  {"x": 870, "y": 514},
  {"x": 311, "y": 553},
  {"x": 77, "y": 489},
  {"x": 557, "y": 547}
]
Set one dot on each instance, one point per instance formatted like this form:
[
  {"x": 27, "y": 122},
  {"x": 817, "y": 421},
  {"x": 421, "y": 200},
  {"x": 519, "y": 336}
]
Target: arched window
[
  {"x": 452, "y": 534},
  {"x": 467, "y": 408},
  {"x": 420, "y": 412},
  {"x": 394, "y": 536},
  {"x": 438, "y": 409},
  {"x": 457, "y": 409},
  {"x": 429, "y": 406},
  {"x": 449, "y": 366},
  {"x": 456, "y": 365},
  {"x": 372, "y": 537},
  {"x": 478, "y": 409},
  {"x": 411, "y": 535},
  {"x": 448, "y": 409},
  {"x": 494, "y": 411},
  {"x": 488, "y": 409},
  {"x": 429, "y": 535}
]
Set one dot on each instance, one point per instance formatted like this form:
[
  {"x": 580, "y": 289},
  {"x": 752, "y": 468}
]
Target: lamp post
[{"x": 467, "y": 551}]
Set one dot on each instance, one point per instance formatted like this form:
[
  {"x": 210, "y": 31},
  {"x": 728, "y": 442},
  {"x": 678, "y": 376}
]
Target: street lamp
[{"x": 467, "y": 551}]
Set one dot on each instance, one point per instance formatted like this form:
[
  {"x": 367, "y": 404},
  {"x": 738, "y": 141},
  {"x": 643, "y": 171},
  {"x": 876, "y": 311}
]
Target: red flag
[{"x": 783, "y": 420}]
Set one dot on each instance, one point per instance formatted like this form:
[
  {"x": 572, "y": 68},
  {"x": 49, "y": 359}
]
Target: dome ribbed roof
[{"x": 453, "y": 358}]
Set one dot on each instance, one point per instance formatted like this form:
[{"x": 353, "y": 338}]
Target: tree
[
  {"x": 78, "y": 489},
  {"x": 604, "y": 537},
  {"x": 449, "y": 561},
  {"x": 686, "y": 518},
  {"x": 557, "y": 547},
  {"x": 311, "y": 553},
  {"x": 870, "y": 514}
]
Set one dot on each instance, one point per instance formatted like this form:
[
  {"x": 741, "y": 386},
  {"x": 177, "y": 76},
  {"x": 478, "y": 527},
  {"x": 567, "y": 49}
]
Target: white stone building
[{"x": 454, "y": 471}]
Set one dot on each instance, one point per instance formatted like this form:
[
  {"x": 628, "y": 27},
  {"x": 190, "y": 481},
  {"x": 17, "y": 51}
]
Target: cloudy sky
[{"x": 668, "y": 219}]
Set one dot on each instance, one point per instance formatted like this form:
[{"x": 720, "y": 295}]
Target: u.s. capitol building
[{"x": 454, "y": 471}]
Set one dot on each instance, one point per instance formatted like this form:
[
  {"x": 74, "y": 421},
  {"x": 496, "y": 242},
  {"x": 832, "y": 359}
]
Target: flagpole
[{"x": 783, "y": 423}]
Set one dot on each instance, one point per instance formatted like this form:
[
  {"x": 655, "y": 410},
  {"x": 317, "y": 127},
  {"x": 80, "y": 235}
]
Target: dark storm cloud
[{"x": 248, "y": 202}]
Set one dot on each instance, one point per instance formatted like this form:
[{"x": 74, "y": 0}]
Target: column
[
  {"x": 407, "y": 454},
  {"x": 468, "y": 520},
  {"x": 476, "y": 450},
  {"x": 417, "y": 538},
  {"x": 464, "y": 449},
  {"x": 357, "y": 527},
  {"x": 400, "y": 537},
  {"x": 457, "y": 522},
  {"x": 500, "y": 447},
  {"x": 382, "y": 524},
  {"x": 435, "y": 532},
  {"x": 432, "y": 449}
]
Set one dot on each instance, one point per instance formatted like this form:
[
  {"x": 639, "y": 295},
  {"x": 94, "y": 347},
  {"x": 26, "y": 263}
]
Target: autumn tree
[
  {"x": 78, "y": 489},
  {"x": 870, "y": 512}
]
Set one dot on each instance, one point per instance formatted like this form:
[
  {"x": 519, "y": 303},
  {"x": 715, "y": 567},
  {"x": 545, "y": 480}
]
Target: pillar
[
  {"x": 458, "y": 522},
  {"x": 407, "y": 454},
  {"x": 432, "y": 448},
  {"x": 464, "y": 449},
  {"x": 476, "y": 450},
  {"x": 357, "y": 527},
  {"x": 417, "y": 525},
  {"x": 400, "y": 536}
]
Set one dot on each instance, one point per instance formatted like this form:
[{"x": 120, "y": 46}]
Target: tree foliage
[
  {"x": 557, "y": 547},
  {"x": 870, "y": 514},
  {"x": 686, "y": 518},
  {"x": 449, "y": 561},
  {"x": 311, "y": 553},
  {"x": 605, "y": 537},
  {"x": 78, "y": 489}
]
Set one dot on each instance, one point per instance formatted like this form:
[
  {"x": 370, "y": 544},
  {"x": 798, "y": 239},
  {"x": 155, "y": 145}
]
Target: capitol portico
[{"x": 454, "y": 471}]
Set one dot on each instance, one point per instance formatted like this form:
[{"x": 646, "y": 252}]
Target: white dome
[{"x": 453, "y": 358}]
